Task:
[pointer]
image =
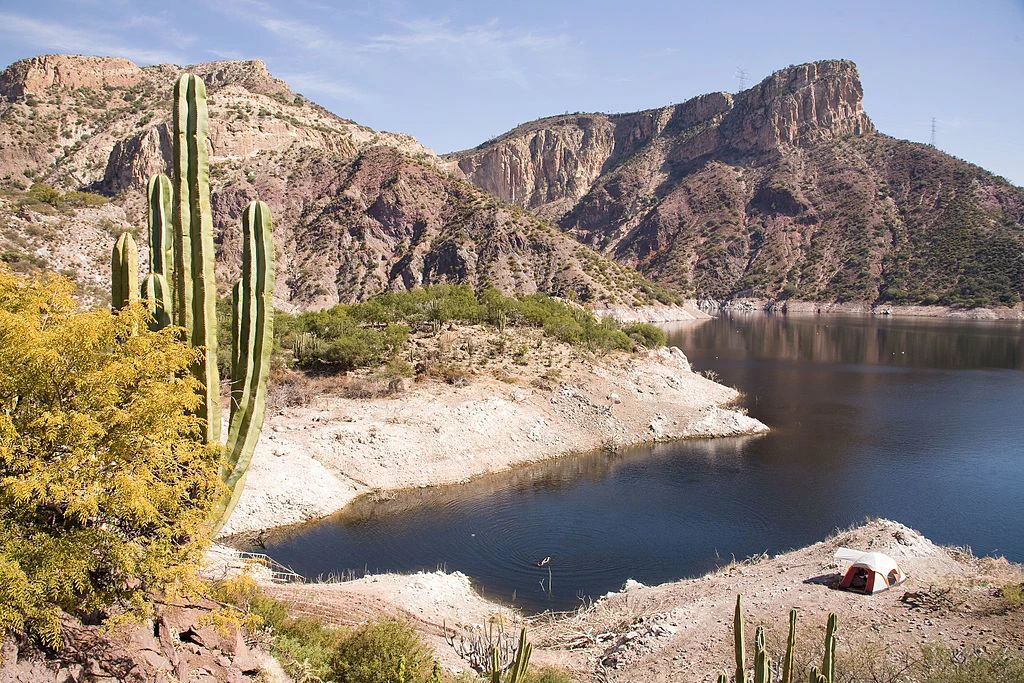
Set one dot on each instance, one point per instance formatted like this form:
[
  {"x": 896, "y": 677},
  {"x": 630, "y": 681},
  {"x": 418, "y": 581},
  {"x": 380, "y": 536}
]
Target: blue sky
[{"x": 456, "y": 73}]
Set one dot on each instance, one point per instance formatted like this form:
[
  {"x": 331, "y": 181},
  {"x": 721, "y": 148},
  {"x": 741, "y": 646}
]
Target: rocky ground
[
  {"x": 179, "y": 645},
  {"x": 682, "y": 631},
  {"x": 491, "y": 401}
]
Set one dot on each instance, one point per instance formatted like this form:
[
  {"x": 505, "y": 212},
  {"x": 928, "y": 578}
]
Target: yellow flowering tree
[{"x": 105, "y": 483}]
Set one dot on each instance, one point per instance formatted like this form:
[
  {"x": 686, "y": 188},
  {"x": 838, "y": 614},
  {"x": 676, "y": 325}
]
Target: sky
[{"x": 454, "y": 74}]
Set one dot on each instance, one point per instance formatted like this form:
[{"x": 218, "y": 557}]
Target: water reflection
[{"x": 916, "y": 420}]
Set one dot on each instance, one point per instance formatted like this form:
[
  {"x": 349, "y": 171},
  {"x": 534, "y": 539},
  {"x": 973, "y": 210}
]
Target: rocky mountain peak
[
  {"x": 67, "y": 72},
  {"x": 799, "y": 104},
  {"x": 251, "y": 74}
]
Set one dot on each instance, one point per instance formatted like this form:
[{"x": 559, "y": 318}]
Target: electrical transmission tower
[
  {"x": 741, "y": 74},
  {"x": 933, "y": 132}
]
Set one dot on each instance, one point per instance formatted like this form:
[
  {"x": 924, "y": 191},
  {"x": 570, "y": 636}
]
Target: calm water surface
[{"x": 917, "y": 420}]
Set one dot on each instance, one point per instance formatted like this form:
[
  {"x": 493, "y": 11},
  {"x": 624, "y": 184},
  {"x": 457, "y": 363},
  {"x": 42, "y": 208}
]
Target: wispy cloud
[
  {"x": 484, "y": 49},
  {"x": 310, "y": 83},
  {"x": 50, "y": 36},
  {"x": 297, "y": 34}
]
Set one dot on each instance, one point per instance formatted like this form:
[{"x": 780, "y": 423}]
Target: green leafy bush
[
  {"x": 373, "y": 332},
  {"x": 373, "y": 652},
  {"x": 105, "y": 483}
]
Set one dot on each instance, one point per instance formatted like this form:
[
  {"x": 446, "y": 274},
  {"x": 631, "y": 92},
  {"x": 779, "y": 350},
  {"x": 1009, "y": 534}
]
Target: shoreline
[
  {"x": 681, "y": 630},
  {"x": 315, "y": 460},
  {"x": 799, "y": 307}
]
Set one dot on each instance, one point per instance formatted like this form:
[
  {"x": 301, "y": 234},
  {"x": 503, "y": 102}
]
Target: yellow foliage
[{"x": 105, "y": 483}]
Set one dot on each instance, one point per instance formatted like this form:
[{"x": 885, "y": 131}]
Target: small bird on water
[{"x": 544, "y": 562}]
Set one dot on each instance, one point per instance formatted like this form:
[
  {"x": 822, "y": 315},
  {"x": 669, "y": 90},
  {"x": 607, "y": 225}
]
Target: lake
[{"x": 918, "y": 420}]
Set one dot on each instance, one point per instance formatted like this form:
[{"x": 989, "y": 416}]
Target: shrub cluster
[
  {"x": 310, "y": 650},
  {"x": 42, "y": 193},
  {"x": 372, "y": 333}
]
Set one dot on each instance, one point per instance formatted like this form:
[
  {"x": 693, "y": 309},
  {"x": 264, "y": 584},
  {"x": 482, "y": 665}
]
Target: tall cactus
[
  {"x": 737, "y": 623},
  {"x": 252, "y": 344},
  {"x": 124, "y": 272},
  {"x": 194, "y": 288},
  {"x": 828, "y": 664},
  {"x": 789, "y": 663},
  {"x": 181, "y": 284}
]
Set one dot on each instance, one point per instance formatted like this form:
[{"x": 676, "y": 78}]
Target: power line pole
[
  {"x": 741, "y": 74},
  {"x": 933, "y": 132}
]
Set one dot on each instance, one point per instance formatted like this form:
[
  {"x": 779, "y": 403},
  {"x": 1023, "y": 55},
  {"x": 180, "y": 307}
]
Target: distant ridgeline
[{"x": 783, "y": 190}]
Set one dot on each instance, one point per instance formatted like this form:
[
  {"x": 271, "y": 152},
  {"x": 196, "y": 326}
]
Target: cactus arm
[
  {"x": 181, "y": 215},
  {"x": 196, "y": 304},
  {"x": 788, "y": 663},
  {"x": 738, "y": 634},
  {"x": 158, "y": 300},
  {"x": 236, "y": 336},
  {"x": 124, "y": 272},
  {"x": 255, "y": 342},
  {"x": 161, "y": 233},
  {"x": 722, "y": 678}
]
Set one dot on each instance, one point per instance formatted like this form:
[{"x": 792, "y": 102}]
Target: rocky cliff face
[
  {"x": 782, "y": 190},
  {"x": 356, "y": 211}
]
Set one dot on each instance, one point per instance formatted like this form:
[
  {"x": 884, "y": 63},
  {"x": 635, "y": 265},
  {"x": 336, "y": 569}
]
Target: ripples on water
[{"x": 918, "y": 420}]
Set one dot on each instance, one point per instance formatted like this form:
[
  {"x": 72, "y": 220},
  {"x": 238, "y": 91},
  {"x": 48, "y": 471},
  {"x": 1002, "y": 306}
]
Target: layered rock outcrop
[
  {"x": 784, "y": 189},
  {"x": 356, "y": 211}
]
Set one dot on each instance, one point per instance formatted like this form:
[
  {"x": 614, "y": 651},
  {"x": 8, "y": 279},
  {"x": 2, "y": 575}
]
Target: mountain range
[{"x": 784, "y": 190}]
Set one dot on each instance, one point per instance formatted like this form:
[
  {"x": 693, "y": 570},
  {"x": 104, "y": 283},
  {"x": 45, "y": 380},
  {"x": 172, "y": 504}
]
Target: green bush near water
[
  {"x": 372, "y": 333},
  {"x": 310, "y": 650}
]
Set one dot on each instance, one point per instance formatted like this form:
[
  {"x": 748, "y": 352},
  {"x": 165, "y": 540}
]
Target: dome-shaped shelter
[{"x": 868, "y": 573}]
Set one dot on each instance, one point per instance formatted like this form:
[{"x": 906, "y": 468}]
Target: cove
[{"x": 918, "y": 420}]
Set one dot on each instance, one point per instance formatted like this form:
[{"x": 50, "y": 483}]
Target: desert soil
[
  {"x": 682, "y": 631},
  {"x": 512, "y": 399}
]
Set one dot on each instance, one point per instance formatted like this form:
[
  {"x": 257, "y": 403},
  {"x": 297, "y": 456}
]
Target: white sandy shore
[
  {"x": 797, "y": 307},
  {"x": 312, "y": 461}
]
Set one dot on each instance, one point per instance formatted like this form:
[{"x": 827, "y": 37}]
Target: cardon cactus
[
  {"x": 124, "y": 272},
  {"x": 181, "y": 286},
  {"x": 788, "y": 663},
  {"x": 762, "y": 665},
  {"x": 252, "y": 344},
  {"x": 195, "y": 287},
  {"x": 828, "y": 664},
  {"x": 763, "y": 668},
  {"x": 737, "y": 623}
]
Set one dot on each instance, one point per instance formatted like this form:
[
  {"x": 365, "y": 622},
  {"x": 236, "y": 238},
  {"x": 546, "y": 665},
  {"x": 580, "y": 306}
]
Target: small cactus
[
  {"x": 741, "y": 664},
  {"x": 124, "y": 272},
  {"x": 828, "y": 664},
  {"x": 520, "y": 663},
  {"x": 762, "y": 665},
  {"x": 788, "y": 663}
]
